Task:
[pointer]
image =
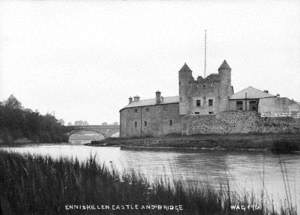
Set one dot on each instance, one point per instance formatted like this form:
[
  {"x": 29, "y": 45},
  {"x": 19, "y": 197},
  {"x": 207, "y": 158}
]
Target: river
[{"x": 245, "y": 172}]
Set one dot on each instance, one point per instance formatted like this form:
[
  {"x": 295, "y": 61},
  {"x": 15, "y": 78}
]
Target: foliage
[{"x": 18, "y": 122}]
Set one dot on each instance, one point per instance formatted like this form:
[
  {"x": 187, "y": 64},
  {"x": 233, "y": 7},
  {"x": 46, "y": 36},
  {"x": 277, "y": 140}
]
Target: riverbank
[
  {"x": 26, "y": 141},
  {"x": 230, "y": 142},
  {"x": 31, "y": 144},
  {"x": 41, "y": 185}
]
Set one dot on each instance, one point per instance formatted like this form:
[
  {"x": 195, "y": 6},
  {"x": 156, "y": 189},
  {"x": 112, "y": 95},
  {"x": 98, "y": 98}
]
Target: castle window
[
  {"x": 147, "y": 109},
  {"x": 165, "y": 108},
  {"x": 210, "y": 102},
  {"x": 171, "y": 122},
  {"x": 135, "y": 124},
  {"x": 198, "y": 102},
  {"x": 180, "y": 99},
  {"x": 135, "y": 110},
  {"x": 211, "y": 112},
  {"x": 239, "y": 105},
  {"x": 145, "y": 123},
  {"x": 197, "y": 113}
]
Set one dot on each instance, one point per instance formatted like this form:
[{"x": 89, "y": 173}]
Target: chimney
[
  {"x": 266, "y": 91},
  {"x": 136, "y": 98},
  {"x": 158, "y": 97},
  {"x": 130, "y": 100}
]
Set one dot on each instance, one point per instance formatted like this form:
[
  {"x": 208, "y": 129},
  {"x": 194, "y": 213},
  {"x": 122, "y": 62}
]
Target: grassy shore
[
  {"x": 41, "y": 185},
  {"x": 231, "y": 142}
]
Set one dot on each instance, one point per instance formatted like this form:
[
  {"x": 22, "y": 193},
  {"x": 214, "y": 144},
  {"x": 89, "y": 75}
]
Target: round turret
[
  {"x": 225, "y": 73},
  {"x": 226, "y": 88},
  {"x": 185, "y": 81},
  {"x": 224, "y": 67}
]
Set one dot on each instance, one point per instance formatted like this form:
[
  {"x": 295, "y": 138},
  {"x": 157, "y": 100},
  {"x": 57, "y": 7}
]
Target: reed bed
[{"x": 41, "y": 185}]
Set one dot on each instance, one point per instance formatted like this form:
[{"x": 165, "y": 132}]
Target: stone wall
[
  {"x": 279, "y": 125},
  {"x": 155, "y": 120},
  {"x": 231, "y": 122}
]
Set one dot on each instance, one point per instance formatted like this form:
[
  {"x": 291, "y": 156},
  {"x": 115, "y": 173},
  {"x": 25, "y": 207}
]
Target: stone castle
[{"x": 209, "y": 105}]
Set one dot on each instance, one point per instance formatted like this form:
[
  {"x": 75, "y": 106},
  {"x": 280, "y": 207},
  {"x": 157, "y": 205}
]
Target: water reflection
[{"x": 245, "y": 172}]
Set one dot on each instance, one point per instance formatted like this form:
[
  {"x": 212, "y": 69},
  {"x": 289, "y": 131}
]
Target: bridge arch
[
  {"x": 85, "y": 130},
  {"x": 102, "y": 130},
  {"x": 85, "y": 136}
]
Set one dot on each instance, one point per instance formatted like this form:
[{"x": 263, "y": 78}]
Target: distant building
[
  {"x": 61, "y": 121},
  {"x": 80, "y": 123},
  {"x": 211, "y": 96}
]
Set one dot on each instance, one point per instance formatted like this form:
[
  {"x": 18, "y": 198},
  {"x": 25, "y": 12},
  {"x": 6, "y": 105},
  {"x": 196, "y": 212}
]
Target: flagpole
[{"x": 204, "y": 54}]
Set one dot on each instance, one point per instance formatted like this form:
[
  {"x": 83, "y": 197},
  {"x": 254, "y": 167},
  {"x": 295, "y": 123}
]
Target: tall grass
[{"x": 40, "y": 185}]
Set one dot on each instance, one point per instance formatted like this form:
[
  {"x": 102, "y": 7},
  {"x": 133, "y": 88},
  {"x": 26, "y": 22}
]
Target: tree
[
  {"x": 18, "y": 122},
  {"x": 13, "y": 103}
]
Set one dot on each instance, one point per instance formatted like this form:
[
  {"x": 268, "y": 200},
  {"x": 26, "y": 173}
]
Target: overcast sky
[{"x": 82, "y": 59}]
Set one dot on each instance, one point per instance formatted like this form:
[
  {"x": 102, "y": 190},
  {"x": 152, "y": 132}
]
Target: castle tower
[
  {"x": 225, "y": 68},
  {"x": 185, "y": 81},
  {"x": 225, "y": 88}
]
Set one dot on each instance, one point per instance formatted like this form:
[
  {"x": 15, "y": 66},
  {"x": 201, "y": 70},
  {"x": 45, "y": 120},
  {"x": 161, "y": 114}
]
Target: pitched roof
[
  {"x": 224, "y": 65},
  {"x": 251, "y": 93},
  {"x": 185, "y": 68},
  {"x": 148, "y": 102}
]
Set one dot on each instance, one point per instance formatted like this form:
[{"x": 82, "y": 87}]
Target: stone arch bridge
[{"x": 105, "y": 130}]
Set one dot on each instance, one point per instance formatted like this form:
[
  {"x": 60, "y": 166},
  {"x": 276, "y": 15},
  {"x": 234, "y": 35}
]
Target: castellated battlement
[{"x": 211, "y": 79}]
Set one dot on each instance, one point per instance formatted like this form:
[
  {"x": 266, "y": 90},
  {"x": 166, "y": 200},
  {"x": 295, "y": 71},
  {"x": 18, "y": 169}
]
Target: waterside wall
[{"x": 232, "y": 122}]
